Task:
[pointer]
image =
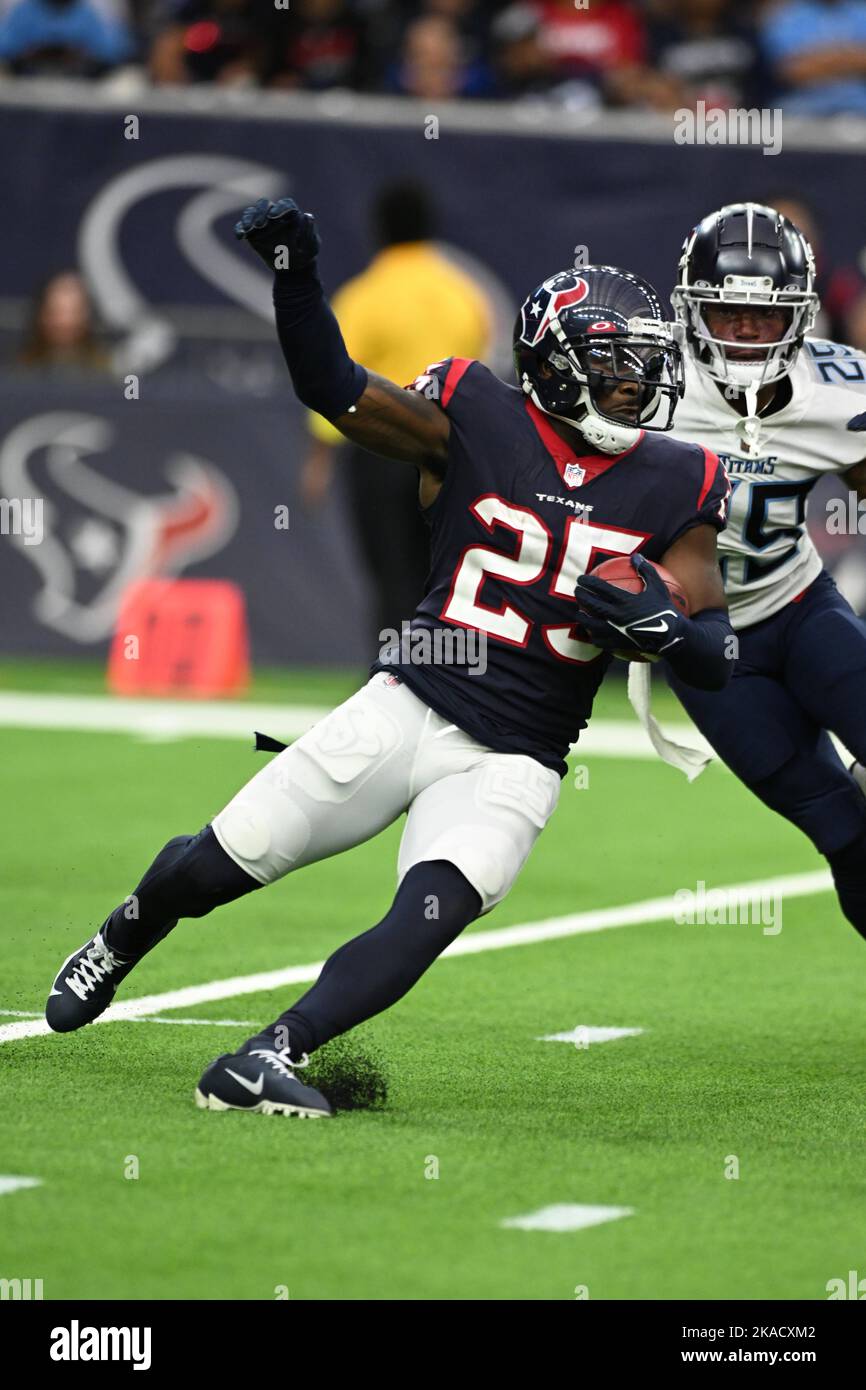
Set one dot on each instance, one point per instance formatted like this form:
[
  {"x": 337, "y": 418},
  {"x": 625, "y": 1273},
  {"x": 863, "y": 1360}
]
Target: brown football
[{"x": 620, "y": 572}]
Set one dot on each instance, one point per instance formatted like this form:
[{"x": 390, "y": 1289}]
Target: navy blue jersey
[{"x": 492, "y": 646}]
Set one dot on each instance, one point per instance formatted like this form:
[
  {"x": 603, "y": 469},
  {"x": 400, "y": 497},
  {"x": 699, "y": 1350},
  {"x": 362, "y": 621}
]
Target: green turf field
[{"x": 751, "y": 1050}]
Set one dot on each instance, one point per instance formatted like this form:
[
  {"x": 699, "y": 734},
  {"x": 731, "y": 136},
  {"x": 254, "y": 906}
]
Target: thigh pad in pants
[
  {"x": 342, "y": 782},
  {"x": 484, "y": 820}
]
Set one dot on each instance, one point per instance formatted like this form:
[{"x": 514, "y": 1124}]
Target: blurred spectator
[
  {"x": 600, "y": 45},
  {"x": 69, "y": 38},
  {"x": 523, "y": 65},
  {"x": 212, "y": 41},
  {"x": 842, "y": 289},
  {"x": 433, "y": 311},
  {"x": 61, "y": 336},
  {"x": 317, "y": 44},
  {"x": 707, "y": 53},
  {"x": 469, "y": 17},
  {"x": 817, "y": 53},
  {"x": 434, "y": 63},
  {"x": 114, "y": 11}
]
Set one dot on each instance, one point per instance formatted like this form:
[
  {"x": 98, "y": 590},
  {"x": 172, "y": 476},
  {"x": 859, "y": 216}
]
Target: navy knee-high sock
[
  {"x": 370, "y": 973},
  {"x": 189, "y": 877},
  {"x": 849, "y": 875}
]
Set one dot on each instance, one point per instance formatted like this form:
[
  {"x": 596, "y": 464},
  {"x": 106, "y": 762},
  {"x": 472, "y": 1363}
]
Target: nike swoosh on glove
[
  {"x": 284, "y": 237},
  {"x": 648, "y": 620}
]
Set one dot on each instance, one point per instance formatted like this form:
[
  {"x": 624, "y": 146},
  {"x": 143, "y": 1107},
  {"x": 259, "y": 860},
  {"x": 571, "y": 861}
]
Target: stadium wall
[{"x": 151, "y": 184}]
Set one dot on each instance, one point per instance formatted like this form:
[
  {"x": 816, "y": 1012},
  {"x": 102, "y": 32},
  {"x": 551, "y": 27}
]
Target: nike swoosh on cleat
[{"x": 254, "y": 1087}]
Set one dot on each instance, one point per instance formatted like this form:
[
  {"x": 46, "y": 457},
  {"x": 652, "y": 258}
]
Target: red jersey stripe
[
  {"x": 459, "y": 365},
  {"x": 711, "y": 463}
]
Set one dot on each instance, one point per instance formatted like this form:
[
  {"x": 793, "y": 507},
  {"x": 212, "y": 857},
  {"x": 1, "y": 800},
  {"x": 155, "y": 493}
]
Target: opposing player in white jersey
[{"x": 780, "y": 410}]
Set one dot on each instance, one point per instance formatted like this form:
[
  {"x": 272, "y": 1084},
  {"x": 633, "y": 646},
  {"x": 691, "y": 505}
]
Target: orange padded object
[{"x": 180, "y": 637}]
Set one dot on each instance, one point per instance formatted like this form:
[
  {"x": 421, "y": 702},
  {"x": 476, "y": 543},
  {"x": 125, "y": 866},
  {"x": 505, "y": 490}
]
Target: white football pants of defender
[{"x": 377, "y": 755}]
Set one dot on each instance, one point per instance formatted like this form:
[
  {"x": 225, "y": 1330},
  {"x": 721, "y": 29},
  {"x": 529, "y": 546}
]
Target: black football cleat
[
  {"x": 262, "y": 1081},
  {"x": 85, "y": 985}
]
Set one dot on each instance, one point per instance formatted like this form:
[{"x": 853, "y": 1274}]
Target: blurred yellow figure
[{"x": 409, "y": 308}]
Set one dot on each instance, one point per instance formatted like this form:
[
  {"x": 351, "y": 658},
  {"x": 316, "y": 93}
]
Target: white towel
[{"x": 689, "y": 760}]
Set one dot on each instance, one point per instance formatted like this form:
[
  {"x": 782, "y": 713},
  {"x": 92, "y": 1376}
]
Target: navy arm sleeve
[
  {"x": 705, "y": 656},
  {"x": 323, "y": 374}
]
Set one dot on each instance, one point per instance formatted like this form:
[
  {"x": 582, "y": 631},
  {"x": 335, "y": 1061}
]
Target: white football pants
[{"x": 377, "y": 755}]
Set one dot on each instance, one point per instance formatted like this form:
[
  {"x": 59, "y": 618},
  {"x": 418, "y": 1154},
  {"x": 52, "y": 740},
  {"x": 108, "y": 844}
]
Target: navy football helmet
[
  {"x": 584, "y": 339},
  {"x": 746, "y": 254}
]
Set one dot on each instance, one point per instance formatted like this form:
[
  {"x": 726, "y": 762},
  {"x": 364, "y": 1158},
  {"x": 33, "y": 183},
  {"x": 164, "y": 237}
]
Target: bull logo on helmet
[{"x": 563, "y": 292}]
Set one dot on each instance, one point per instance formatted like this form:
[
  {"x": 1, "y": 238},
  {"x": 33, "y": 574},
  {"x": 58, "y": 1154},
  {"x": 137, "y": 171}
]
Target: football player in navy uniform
[
  {"x": 780, "y": 410},
  {"x": 526, "y": 489}
]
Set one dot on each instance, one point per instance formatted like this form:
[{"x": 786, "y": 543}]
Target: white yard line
[
  {"x": 187, "y": 1022},
  {"x": 583, "y": 1035},
  {"x": 204, "y": 1022},
  {"x": 155, "y": 720},
  {"x": 525, "y": 934},
  {"x": 14, "y": 1184},
  {"x": 566, "y": 1216}
]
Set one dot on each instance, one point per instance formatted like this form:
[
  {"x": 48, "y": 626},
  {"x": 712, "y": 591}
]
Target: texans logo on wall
[
  {"x": 119, "y": 497},
  {"x": 200, "y": 256},
  {"x": 98, "y": 534}
]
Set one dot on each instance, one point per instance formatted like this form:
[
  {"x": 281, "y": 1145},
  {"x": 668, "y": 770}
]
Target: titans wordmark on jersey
[
  {"x": 767, "y": 555},
  {"x": 518, "y": 519}
]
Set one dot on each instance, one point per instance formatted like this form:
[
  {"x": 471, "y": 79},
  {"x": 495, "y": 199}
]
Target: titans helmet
[
  {"x": 593, "y": 347},
  {"x": 745, "y": 254}
]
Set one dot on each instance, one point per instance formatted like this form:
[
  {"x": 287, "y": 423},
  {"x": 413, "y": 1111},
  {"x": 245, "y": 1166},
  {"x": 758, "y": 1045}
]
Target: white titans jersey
[{"x": 766, "y": 553}]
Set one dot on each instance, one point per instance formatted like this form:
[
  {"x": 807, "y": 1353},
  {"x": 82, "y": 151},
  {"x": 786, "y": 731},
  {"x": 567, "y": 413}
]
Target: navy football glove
[
  {"x": 284, "y": 237},
  {"x": 649, "y": 620}
]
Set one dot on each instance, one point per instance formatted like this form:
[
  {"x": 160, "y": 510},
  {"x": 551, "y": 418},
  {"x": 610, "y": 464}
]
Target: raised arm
[
  {"x": 366, "y": 408},
  {"x": 397, "y": 423}
]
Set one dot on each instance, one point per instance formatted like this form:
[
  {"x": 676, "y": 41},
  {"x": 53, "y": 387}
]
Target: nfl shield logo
[{"x": 574, "y": 474}]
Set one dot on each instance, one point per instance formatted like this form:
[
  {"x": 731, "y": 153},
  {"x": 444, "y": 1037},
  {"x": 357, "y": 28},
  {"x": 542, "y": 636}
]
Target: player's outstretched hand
[
  {"x": 649, "y": 619},
  {"x": 284, "y": 237}
]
